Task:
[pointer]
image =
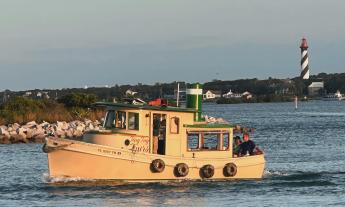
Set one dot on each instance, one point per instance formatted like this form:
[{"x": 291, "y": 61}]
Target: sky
[{"x": 49, "y": 44}]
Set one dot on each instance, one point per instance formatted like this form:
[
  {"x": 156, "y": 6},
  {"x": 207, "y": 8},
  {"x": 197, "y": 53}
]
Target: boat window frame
[
  {"x": 173, "y": 122},
  {"x": 199, "y": 132},
  {"x": 136, "y": 120},
  {"x": 107, "y": 119},
  {"x": 124, "y": 122},
  {"x": 115, "y": 119}
]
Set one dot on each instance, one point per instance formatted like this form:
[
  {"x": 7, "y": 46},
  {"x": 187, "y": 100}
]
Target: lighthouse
[{"x": 304, "y": 59}]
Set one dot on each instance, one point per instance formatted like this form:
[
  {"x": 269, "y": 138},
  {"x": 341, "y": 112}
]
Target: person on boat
[
  {"x": 247, "y": 147},
  {"x": 155, "y": 133},
  {"x": 237, "y": 143}
]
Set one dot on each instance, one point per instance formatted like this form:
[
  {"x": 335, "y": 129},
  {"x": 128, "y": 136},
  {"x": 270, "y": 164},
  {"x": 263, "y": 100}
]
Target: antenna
[{"x": 178, "y": 94}]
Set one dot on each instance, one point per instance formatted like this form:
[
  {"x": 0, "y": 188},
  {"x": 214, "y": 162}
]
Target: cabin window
[
  {"x": 174, "y": 125},
  {"x": 133, "y": 121},
  {"x": 208, "y": 140},
  {"x": 110, "y": 120},
  {"x": 193, "y": 141},
  {"x": 115, "y": 119},
  {"x": 225, "y": 141},
  {"x": 120, "y": 120}
]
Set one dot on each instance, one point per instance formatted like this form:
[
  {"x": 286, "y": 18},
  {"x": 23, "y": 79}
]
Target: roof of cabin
[
  {"x": 209, "y": 126},
  {"x": 145, "y": 107}
]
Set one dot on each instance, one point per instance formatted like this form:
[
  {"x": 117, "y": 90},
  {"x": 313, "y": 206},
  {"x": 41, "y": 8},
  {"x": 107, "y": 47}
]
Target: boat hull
[{"x": 69, "y": 158}]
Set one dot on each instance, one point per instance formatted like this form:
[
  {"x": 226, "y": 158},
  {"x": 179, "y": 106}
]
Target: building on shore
[
  {"x": 211, "y": 94},
  {"x": 247, "y": 95},
  {"x": 316, "y": 88},
  {"x": 130, "y": 92},
  {"x": 231, "y": 94}
]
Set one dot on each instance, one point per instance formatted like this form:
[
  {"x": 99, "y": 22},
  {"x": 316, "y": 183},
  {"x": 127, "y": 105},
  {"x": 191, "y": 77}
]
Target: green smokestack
[{"x": 194, "y": 99}]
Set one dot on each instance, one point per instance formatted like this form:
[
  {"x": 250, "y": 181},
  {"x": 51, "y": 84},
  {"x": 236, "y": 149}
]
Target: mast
[{"x": 178, "y": 94}]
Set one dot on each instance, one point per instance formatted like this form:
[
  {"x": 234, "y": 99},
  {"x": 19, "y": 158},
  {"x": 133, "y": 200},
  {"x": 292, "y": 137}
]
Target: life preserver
[
  {"x": 157, "y": 165},
  {"x": 230, "y": 170},
  {"x": 207, "y": 171},
  {"x": 181, "y": 170}
]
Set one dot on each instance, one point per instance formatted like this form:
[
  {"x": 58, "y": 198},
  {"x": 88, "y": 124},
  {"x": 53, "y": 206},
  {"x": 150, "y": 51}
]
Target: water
[{"x": 305, "y": 153}]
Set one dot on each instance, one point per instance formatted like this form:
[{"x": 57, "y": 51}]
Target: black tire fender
[
  {"x": 230, "y": 170},
  {"x": 157, "y": 166},
  {"x": 207, "y": 171},
  {"x": 181, "y": 170}
]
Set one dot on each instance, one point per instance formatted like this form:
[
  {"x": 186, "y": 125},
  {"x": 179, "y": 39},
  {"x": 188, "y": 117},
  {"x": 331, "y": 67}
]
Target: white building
[
  {"x": 43, "y": 94},
  {"x": 210, "y": 94},
  {"x": 315, "y": 88},
  {"x": 28, "y": 93},
  {"x": 247, "y": 95},
  {"x": 230, "y": 94},
  {"x": 130, "y": 92}
]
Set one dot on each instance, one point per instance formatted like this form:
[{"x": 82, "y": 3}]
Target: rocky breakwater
[{"x": 33, "y": 132}]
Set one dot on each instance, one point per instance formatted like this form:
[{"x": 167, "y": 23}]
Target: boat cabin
[
  {"x": 154, "y": 142},
  {"x": 134, "y": 127}
]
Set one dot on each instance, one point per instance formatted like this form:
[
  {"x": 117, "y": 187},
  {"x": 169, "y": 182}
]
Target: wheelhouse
[{"x": 133, "y": 127}]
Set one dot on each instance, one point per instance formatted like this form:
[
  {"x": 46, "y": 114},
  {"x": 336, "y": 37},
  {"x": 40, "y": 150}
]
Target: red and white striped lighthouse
[{"x": 304, "y": 59}]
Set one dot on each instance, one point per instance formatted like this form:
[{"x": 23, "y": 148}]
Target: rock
[
  {"x": 60, "y": 133},
  {"x": 77, "y": 133},
  {"x": 15, "y": 126},
  {"x": 31, "y": 123},
  {"x": 29, "y": 133},
  {"x": 72, "y": 124},
  {"x": 12, "y": 133},
  {"x": 40, "y": 138},
  {"x": 60, "y": 125},
  {"x": 37, "y": 132},
  {"x": 3, "y": 130},
  {"x": 89, "y": 127},
  {"x": 18, "y": 138},
  {"x": 4, "y": 139},
  {"x": 87, "y": 122},
  {"x": 33, "y": 132},
  {"x": 49, "y": 131},
  {"x": 69, "y": 133},
  {"x": 80, "y": 128},
  {"x": 44, "y": 124},
  {"x": 97, "y": 123},
  {"x": 21, "y": 130}
]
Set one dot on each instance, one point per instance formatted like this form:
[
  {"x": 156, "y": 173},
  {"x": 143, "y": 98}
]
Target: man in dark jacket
[{"x": 247, "y": 147}]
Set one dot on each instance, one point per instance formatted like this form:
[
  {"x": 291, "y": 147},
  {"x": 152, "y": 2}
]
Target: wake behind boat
[{"x": 154, "y": 143}]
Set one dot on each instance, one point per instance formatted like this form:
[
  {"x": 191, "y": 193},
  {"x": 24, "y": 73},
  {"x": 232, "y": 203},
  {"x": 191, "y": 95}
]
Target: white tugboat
[{"x": 154, "y": 143}]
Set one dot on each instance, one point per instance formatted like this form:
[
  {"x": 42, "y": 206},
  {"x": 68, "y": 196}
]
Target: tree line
[
  {"x": 74, "y": 103},
  {"x": 70, "y": 107}
]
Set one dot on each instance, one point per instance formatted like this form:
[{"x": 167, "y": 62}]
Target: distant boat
[{"x": 334, "y": 97}]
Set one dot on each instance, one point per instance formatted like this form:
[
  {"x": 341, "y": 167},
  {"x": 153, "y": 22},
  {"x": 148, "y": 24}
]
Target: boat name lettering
[
  {"x": 140, "y": 144},
  {"x": 109, "y": 152}
]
